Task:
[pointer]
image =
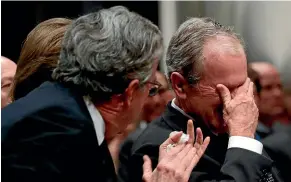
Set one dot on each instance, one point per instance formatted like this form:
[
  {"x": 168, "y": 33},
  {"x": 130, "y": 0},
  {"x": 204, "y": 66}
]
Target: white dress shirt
[
  {"x": 234, "y": 141},
  {"x": 98, "y": 121}
]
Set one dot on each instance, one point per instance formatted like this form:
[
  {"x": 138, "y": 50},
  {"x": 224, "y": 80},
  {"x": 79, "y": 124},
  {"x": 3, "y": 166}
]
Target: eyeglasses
[{"x": 154, "y": 90}]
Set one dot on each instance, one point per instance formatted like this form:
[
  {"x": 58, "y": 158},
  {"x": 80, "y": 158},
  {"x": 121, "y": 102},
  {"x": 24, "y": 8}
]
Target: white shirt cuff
[{"x": 245, "y": 143}]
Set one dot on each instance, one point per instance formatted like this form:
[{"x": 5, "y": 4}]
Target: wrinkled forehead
[{"x": 224, "y": 62}]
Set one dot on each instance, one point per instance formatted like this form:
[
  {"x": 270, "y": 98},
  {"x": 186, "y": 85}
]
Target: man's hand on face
[{"x": 239, "y": 109}]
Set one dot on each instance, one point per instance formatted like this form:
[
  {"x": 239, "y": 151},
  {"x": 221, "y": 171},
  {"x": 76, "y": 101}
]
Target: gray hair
[
  {"x": 185, "y": 51},
  {"x": 103, "y": 51}
]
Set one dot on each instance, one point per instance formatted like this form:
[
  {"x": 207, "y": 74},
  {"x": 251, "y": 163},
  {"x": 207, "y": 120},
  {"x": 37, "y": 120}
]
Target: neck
[
  {"x": 111, "y": 119},
  {"x": 182, "y": 104}
]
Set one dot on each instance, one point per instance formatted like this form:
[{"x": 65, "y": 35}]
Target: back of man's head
[{"x": 103, "y": 51}]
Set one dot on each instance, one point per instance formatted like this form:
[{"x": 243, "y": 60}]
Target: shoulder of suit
[{"x": 49, "y": 102}]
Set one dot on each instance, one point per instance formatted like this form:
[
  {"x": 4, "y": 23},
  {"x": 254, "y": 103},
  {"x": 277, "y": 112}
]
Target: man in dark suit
[
  {"x": 60, "y": 131},
  {"x": 208, "y": 72},
  {"x": 278, "y": 147}
]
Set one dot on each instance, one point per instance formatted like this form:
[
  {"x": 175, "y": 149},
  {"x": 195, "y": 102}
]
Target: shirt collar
[
  {"x": 180, "y": 110},
  {"x": 185, "y": 114},
  {"x": 97, "y": 119}
]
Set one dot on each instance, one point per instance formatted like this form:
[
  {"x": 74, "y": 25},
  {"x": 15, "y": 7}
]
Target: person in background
[
  {"x": 157, "y": 100},
  {"x": 271, "y": 104},
  {"x": 62, "y": 129},
  {"x": 262, "y": 130},
  {"x": 8, "y": 69},
  {"x": 208, "y": 71},
  {"x": 159, "y": 96},
  {"x": 287, "y": 99},
  {"x": 272, "y": 110},
  {"x": 275, "y": 141},
  {"x": 39, "y": 56}
]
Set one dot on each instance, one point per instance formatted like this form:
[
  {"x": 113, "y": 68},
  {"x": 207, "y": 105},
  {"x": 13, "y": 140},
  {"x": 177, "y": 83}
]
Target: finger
[
  {"x": 184, "y": 158},
  {"x": 199, "y": 136},
  {"x": 174, "y": 137},
  {"x": 183, "y": 153},
  {"x": 224, "y": 94},
  {"x": 205, "y": 144},
  {"x": 190, "y": 131},
  {"x": 198, "y": 154},
  {"x": 203, "y": 147},
  {"x": 174, "y": 151},
  {"x": 245, "y": 87},
  {"x": 191, "y": 163},
  {"x": 147, "y": 168},
  {"x": 251, "y": 90}
]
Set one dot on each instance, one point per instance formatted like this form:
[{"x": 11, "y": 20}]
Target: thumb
[
  {"x": 147, "y": 169},
  {"x": 224, "y": 93},
  {"x": 174, "y": 137}
]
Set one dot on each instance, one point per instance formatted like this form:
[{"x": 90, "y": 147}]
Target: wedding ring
[
  {"x": 183, "y": 139},
  {"x": 170, "y": 146}
]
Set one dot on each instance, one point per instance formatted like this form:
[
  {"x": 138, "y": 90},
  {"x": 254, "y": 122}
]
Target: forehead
[
  {"x": 161, "y": 78},
  {"x": 224, "y": 62},
  {"x": 268, "y": 75},
  {"x": 8, "y": 69}
]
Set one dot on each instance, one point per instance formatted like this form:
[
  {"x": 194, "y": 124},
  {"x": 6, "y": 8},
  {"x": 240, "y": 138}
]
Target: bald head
[
  {"x": 271, "y": 95},
  {"x": 8, "y": 69},
  {"x": 264, "y": 68}
]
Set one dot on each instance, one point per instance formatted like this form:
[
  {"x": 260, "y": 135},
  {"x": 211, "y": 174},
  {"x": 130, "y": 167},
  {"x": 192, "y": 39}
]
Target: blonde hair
[{"x": 39, "y": 56}]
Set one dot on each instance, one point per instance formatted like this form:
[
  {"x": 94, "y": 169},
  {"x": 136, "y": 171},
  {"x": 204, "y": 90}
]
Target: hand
[
  {"x": 178, "y": 163},
  {"x": 239, "y": 109}
]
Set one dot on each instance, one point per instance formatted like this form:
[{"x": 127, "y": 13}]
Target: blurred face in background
[
  {"x": 271, "y": 94},
  {"x": 8, "y": 69},
  {"x": 159, "y": 95}
]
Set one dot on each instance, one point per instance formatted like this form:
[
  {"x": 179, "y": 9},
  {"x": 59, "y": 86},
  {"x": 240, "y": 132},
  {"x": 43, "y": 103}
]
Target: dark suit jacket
[
  {"x": 124, "y": 155},
  {"x": 278, "y": 146},
  {"x": 217, "y": 164},
  {"x": 48, "y": 135}
]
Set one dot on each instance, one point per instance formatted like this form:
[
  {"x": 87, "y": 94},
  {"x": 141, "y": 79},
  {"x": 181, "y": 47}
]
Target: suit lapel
[{"x": 178, "y": 122}]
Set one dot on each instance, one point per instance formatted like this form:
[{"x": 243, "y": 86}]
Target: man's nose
[{"x": 277, "y": 92}]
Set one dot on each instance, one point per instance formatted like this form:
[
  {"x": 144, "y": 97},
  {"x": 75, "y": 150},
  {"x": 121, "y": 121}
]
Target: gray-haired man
[
  {"x": 60, "y": 131},
  {"x": 208, "y": 71}
]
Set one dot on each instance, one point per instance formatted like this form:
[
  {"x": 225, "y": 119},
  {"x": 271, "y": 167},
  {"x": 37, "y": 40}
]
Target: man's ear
[
  {"x": 131, "y": 92},
  {"x": 178, "y": 84}
]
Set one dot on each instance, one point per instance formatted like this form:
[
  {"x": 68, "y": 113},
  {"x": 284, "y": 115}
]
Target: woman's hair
[{"x": 39, "y": 56}]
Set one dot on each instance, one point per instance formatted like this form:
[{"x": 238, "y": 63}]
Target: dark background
[{"x": 19, "y": 18}]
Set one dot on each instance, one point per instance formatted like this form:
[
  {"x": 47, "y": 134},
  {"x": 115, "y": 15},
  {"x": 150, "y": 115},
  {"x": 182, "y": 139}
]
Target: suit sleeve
[
  {"x": 277, "y": 146},
  {"x": 240, "y": 165}
]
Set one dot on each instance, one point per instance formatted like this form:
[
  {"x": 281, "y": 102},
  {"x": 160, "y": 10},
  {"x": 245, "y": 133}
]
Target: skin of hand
[
  {"x": 178, "y": 163},
  {"x": 240, "y": 112}
]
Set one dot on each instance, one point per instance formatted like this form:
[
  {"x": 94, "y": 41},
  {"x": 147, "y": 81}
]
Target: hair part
[
  {"x": 103, "y": 51},
  {"x": 185, "y": 51},
  {"x": 39, "y": 56}
]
